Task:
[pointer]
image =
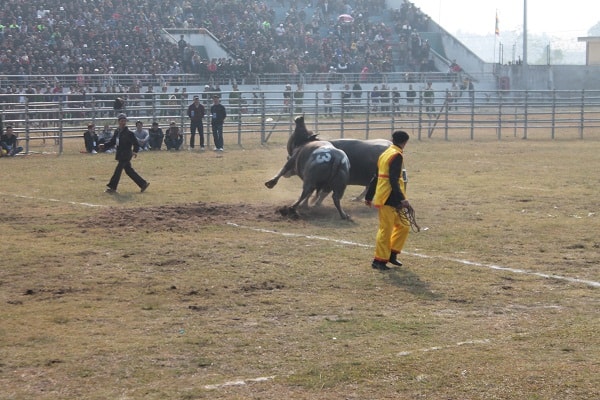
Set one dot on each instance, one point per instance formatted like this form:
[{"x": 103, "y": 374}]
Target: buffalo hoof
[
  {"x": 271, "y": 184},
  {"x": 289, "y": 212}
]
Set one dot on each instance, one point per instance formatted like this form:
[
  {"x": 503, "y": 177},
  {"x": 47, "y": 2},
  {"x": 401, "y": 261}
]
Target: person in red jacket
[{"x": 127, "y": 148}]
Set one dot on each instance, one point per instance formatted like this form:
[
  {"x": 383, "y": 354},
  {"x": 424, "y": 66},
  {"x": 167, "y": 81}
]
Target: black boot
[
  {"x": 380, "y": 265},
  {"x": 394, "y": 260}
]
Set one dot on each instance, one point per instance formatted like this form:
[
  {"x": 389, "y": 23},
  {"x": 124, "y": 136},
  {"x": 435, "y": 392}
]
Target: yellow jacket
[{"x": 390, "y": 188}]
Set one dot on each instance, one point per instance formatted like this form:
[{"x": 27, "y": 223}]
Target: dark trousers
[
  {"x": 217, "y": 131},
  {"x": 199, "y": 126},
  {"x": 125, "y": 165}
]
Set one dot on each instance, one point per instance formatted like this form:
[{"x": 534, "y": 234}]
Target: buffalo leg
[
  {"x": 273, "y": 181},
  {"x": 336, "y": 201}
]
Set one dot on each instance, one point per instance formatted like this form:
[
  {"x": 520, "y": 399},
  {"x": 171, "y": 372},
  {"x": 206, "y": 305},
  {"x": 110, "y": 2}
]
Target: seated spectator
[
  {"x": 8, "y": 143},
  {"x": 104, "y": 137},
  {"x": 142, "y": 135},
  {"x": 156, "y": 136},
  {"x": 90, "y": 138},
  {"x": 173, "y": 138}
]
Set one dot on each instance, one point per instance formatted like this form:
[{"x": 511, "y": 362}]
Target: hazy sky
[{"x": 570, "y": 18}]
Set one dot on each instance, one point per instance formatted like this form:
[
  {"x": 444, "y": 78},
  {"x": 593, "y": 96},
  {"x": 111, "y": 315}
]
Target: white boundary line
[
  {"x": 450, "y": 346},
  {"x": 52, "y": 200},
  {"x": 239, "y": 382},
  {"x": 347, "y": 242},
  {"x": 242, "y": 382},
  {"x": 456, "y": 260}
]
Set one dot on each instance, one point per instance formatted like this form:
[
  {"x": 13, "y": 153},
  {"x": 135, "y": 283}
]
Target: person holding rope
[{"x": 387, "y": 192}]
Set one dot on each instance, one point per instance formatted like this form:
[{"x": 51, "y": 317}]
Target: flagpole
[
  {"x": 495, "y": 36},
  {"x": 525, "y": 63}
]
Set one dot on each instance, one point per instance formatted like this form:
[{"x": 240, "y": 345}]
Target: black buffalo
[
  {"x": 363, "y": 156},
  {"x": 321, "y": 166}
]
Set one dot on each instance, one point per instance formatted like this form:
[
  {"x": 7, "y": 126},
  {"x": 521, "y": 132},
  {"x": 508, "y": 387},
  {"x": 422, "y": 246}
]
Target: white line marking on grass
[
  {"x": 436, "y": 348},
  {"x": 53, "y": 200},
  {"x": 239, "y": 383},
  {"x": 456, "y": 260}
]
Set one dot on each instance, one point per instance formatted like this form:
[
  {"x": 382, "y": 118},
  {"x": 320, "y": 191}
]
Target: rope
[{"x": 408, "y": 218}]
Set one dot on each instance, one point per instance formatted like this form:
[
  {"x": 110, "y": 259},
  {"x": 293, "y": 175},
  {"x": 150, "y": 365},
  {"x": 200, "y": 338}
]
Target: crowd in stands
[{"x": 103, "y": 37}]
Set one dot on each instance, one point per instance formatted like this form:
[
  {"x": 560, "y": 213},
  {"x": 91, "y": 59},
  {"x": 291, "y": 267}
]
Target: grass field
[{"x": 200, "y": 289}]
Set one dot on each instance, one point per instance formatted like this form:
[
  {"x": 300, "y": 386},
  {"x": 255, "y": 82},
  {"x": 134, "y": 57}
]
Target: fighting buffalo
[
  {"x": 321, "y": 166},
  {"x": 363, "y": 156}
]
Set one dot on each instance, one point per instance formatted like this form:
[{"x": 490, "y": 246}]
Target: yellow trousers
[{"x": 392, "y": 234}]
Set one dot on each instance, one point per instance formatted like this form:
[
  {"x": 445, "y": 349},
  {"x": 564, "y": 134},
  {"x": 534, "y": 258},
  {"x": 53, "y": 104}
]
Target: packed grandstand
[{"x": 51, "y": 38}]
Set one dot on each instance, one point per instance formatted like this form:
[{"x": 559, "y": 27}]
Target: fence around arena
[{"x": 258, "y": 116}]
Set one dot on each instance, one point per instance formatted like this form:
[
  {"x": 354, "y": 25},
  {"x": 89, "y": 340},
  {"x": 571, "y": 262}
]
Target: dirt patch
[{"x": 186, "y": 216}]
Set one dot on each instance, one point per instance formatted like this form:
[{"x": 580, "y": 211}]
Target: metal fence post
[
  {"x": 263, "y": 127},
  {"x": 26, "y": 125},
  {"x": 420, "y": 115},
  {"x": 472, "y": 98},
  {"x": 525, "y": 116},
  {"x": 581, "y": 119},
  {"x": 61, "y": 122},
  {"x": 499, "y": 128},
  {"x": 553, "y": 123}
]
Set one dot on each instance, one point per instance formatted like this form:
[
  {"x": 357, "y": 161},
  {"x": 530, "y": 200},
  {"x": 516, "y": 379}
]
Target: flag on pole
[{"x": 497, "y": 24}]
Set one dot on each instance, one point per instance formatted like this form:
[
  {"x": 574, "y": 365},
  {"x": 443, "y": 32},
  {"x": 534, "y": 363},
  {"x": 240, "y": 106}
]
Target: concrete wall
[{"x": 550, "y": 77}]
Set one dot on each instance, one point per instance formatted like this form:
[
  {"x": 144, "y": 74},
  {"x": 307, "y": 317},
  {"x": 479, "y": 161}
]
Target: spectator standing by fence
[
  {"x": 287, "y": 98},
  {"x": 196, "y": 113},
  {"x": 218, "y": 115},
  {"x": 411, "y": 94},
  {"x": 428, "y": 98},
  {"x": 327, "y": 95},
  {"x": 235, "y": 102},
  {"x": 356, "y": 93},
  {"x": 298, "y": 98}
]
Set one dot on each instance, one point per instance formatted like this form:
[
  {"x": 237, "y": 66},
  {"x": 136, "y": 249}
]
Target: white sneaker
[
  {"x": 220, "y": 149},
  {"x": 202, "y": 148},
  {"x": 94, "y": 152}
]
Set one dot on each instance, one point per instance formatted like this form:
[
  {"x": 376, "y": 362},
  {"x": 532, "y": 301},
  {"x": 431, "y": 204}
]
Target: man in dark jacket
[
  {"x": 8, "y": 143},
  {"x": 196, "y": 113},
  {"x": 90, "y": 139},
  {"x": 127, "y": 148},
  {"x": 217, "y": 114}
]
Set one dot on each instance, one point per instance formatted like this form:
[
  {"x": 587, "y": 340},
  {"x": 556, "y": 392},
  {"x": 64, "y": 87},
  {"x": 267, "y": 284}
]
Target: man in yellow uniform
[{"x": 387, "y": 192}]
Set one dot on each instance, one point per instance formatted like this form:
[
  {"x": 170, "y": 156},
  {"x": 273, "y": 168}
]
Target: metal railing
[
  {"x": 260, "y": 116},
  {"x": 112, "y": 82}
]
